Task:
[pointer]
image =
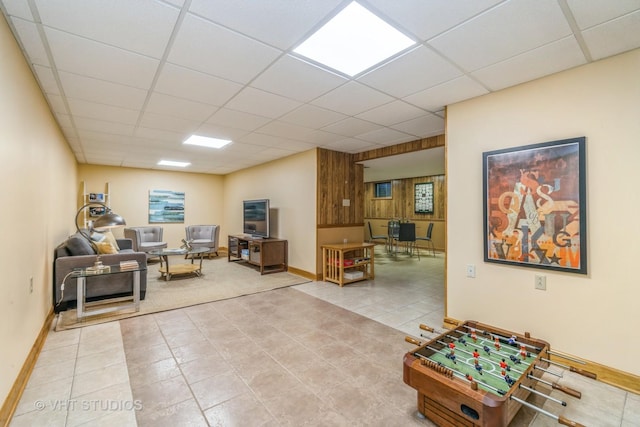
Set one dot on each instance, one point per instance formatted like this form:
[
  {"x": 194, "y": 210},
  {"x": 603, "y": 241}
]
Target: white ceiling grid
[{"x": 128, "y": 81}]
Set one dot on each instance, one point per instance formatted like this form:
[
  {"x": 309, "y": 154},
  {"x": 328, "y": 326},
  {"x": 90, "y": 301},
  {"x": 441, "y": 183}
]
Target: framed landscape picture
[{"x": 535, "y": 206}]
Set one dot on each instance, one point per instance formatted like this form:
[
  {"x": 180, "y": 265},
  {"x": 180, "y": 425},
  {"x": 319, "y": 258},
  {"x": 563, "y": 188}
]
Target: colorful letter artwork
[{"x": 535, "y": 206}]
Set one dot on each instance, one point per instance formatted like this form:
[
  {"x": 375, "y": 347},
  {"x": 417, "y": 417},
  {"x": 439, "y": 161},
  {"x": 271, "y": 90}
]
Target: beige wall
[
  {"x": 37, "y": 196},
  {"x": 289, "y": 184},
  {"x": 129, "y": 193},
  {"x": 593, "y": 316}
]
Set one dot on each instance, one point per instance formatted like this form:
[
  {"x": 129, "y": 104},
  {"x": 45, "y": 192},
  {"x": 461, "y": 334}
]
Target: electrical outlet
[
  {"x": 541, "y": 282},
  {"x": 30, "y": 285},
  {"x": 471, "y": 270}
]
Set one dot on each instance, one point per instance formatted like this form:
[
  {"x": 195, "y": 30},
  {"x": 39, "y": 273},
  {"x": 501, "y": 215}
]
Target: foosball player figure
[
  {"x": 509, "y": 380},
  {"x": 478, "y": 366},
  {"x": 476, "y": 354},
  {"x": 469, "y": 377},
  {"x": 462, "y": 341},
  {"x": 497, "y": 344},
  {"x": 512, "y": 340},
  {"x": 452, "y": 346},
  {"x": 473, "y": 335},
  {"x": 514, "y": 359},
  {"x": 504, "y": 366},
  {"x": 487, "y": 350},
  {"x": 523, "y": 351},
  {"x": 452, "y": 356}
]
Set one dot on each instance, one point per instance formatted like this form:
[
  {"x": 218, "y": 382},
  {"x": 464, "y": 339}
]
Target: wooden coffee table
[{"x": 167, "y": 271}]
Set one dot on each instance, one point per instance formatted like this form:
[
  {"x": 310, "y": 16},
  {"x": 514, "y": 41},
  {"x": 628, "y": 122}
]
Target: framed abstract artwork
[
  {"x": 166, "y": 206},
  {"x": 423, "y": 197},
  {"x": 535, "y": 206}
]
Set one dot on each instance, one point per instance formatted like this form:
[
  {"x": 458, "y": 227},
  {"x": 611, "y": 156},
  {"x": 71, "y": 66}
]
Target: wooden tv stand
[{"x": 270, "y": 255}]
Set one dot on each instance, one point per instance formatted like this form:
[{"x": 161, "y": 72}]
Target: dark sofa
[{"x": 76, "y": 252}]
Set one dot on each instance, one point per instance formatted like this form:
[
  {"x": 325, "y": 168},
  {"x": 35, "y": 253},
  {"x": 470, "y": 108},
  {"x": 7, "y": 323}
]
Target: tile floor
[{"x": 314, "y": 354}]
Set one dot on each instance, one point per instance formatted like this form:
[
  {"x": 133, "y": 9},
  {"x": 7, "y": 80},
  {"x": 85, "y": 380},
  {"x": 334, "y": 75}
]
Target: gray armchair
[
  {"x": 145, "y": 239},
  {"x": 204, "y": 236}
]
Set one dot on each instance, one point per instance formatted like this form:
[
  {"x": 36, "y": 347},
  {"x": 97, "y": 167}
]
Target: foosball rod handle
[
  {"x": 583, "y": 373},
  {"x": 412, "y": 341},
  {"x": 426, "y": 328},
  {"x": 567, "y": 390},
  {"x": 567, "y": 422}
]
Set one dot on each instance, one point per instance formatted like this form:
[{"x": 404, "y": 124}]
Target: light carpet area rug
[{"x": 220, "y": 280}]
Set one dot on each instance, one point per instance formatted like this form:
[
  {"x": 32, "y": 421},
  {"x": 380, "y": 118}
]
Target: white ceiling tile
[
  {"x": 285, "y": 130},
  {"x": 351, "y": 127},
  {"x": 420, "y": 69},
  {"x": 142, "y": 26},
  {"x": 57, "y": 104},
  {"x": 178, "y": 107},
  {"x": 96, "y": 125},
  {"x": 275, "y": 141},
  {"x": 422, "y": 126},
  {"x": 351, "y": 145},
  {"x": 90, "y": 89},
  {"x": 193, "y": 85},
  {"x": 507, "y": 30},
  {"x": 429, "y": 18},
  {"x": 262, "y": 103},
  {"x": 170, "y": 123},
  {"x": 64, "y": 120},
  {"x": 280, "y": 23},
  {"x": 614, "y": 37},
  {"x": 220, "y": 131},
  {"x": 212, "y": 49},
  {"x": 159, "y": 135},
  {"x": 590, "y": 13},
  {"x": 46, "y": 79},
  {"x": 536, "y": 63},
  {"x": 100, "y": 61},
  {"x": 386, "y": 136},
  {"x": 296, "y": 79},
  {"x": 30, "y": 39},
  {"x": 446, "y": 94},
  {"x": 94, "y": 110},
  {"x": 19, "y": 8},
  {"x": 312, "y": 116},
  {"x": 391, "y": 113},
  {"x": 238, "y": 119},
  {"x": 352, "y": 98}
]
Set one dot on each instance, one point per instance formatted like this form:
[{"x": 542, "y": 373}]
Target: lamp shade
[{"x": 108, "y": 220}]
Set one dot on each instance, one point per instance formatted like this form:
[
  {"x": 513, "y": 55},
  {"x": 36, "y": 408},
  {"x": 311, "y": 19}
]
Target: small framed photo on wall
[{"x": 96, "y": 197}]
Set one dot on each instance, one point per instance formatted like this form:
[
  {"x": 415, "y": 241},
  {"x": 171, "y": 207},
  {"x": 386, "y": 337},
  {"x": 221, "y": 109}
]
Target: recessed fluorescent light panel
[
  {"x": 204, "y": 141},
  {"x": 172, "y": 163},
  {"x": 353, "y": 41}
]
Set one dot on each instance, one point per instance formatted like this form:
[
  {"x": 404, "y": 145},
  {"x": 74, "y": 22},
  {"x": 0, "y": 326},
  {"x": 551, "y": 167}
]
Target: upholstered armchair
[
  {"x": 145, "y": 239},
  {"x": 204, "y": 236}
]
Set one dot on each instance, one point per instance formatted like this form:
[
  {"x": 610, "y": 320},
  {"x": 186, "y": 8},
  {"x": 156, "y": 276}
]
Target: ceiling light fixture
[
  {"x": 172, "y": 163},
  {"x": 205, "y": 141},
  {"x": 353, "y": 41}
]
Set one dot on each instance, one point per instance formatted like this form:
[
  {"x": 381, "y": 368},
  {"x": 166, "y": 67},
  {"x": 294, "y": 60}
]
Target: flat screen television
[{"x": 255, "y": 217}]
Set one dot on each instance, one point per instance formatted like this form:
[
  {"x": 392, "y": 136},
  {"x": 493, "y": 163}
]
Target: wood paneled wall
[
  {"x": 402, "y": 202},
  {"x": 339, "y": 179}
]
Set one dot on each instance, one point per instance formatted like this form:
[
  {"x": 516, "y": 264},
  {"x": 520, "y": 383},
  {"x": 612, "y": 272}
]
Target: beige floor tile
[
  {"x": 242, "y": 410},
  {"x": 220, "y": 388},
  {"x": 185, "y": 413}
]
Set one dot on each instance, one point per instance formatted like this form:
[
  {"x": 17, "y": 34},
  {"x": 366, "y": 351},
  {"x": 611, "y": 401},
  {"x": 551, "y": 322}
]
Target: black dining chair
[
  {"x": 393, "y": 228},
  {"x": 428, "y": 239},
  {"x": 407, "y": 235},
  {"x": 373, "y": 238}
]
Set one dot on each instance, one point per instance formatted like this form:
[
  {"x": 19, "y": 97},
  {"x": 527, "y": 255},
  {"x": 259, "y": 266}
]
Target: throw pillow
[
  {"x": 109, "y": 237},
  {"x": 97, "y": 237},
  {"x": 106, "y": 248},
  {"x": 78, "y": 245}
]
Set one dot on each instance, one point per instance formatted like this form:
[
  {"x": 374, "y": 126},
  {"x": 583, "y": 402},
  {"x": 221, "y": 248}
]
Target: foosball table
[{"x": 478, "y": 375}]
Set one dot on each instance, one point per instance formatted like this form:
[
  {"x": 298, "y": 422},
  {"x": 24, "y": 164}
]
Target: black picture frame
[
  {"x": 423, "y": 198},
  {"x": 535, "y": 206}
]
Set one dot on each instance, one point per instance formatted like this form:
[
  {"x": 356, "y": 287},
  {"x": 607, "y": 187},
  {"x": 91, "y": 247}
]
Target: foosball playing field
[{"x": 479, "y": 375}]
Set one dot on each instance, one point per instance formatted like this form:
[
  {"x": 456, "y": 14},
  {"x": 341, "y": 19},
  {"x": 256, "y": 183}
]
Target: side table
[{"x": 115, "y": 304}]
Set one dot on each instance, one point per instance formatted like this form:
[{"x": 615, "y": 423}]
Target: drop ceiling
[{"x": 128, "y": 81}]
